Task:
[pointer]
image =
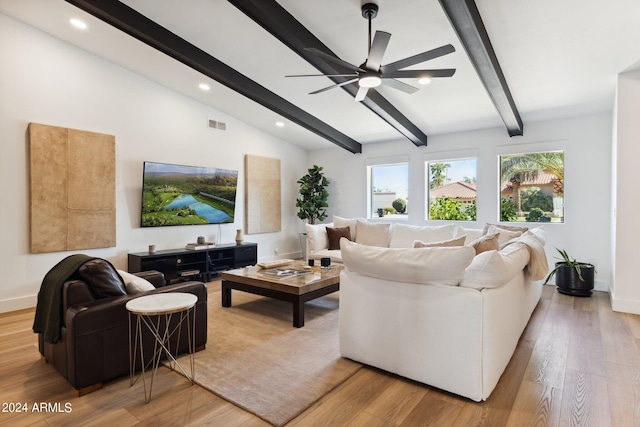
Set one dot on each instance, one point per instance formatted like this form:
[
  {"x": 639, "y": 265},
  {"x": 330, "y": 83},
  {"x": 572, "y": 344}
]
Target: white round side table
[{"x": 162, "y": 307}]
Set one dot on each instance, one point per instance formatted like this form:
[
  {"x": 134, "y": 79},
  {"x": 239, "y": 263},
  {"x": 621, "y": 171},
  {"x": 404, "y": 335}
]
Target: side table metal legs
[{"x": 160, "y": 327}]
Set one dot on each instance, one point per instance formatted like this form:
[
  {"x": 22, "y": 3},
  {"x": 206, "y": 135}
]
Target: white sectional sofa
[{"x": 444, "y": 316}]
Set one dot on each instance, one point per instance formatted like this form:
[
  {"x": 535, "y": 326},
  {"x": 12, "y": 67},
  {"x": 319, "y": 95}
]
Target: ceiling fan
[{"x": 372, "y": 73}]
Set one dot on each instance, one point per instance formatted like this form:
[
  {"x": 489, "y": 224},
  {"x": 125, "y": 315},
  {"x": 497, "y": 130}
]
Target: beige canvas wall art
[
  {"x": 262, "y": 194},
  {"x": 72, "y": 185}
]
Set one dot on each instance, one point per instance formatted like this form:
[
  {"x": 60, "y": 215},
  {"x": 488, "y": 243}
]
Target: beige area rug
[{"x": 257, "y": 360}]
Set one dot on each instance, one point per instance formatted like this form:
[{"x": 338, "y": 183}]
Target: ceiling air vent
[{"x": 213, "y": 124}]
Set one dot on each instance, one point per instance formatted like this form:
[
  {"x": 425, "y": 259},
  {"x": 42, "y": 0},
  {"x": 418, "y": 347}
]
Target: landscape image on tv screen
[{"x": 187, "y": 195}]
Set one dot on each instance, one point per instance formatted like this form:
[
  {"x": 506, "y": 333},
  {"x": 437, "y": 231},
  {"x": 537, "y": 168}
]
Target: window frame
[
  {"x": 442, "y": 157},
  {"x": 381, "y": 162},
  {"x": 541, "y": 147}
]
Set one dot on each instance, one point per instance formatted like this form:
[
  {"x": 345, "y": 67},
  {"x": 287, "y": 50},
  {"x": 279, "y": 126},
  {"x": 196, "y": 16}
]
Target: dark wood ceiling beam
[
  {"x": 466, "y": 21},
  {"x": 142, "y": 28},
  {"x": 282, "y": 25}
]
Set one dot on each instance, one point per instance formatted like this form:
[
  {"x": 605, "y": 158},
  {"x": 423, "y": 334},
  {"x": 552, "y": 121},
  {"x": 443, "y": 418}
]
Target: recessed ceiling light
[
  {"x": 424, "y": 81},
  {"x": 204, "y": 86},
  {"x": 280, "y": 124},
  {"x": 78, "y": 23}
]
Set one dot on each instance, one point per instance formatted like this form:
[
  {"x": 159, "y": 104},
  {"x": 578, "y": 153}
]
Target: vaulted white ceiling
[{"x": 559, "y": 58}]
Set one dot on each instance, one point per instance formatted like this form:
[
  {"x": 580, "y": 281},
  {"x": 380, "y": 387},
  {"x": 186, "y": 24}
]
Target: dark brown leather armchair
[{"x": 94, "y": 339}]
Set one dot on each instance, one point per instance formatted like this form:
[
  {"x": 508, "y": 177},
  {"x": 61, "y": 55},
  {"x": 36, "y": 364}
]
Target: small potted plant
[{"x": 573, "y": 277}]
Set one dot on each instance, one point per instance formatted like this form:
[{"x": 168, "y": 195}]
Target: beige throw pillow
[
  {"x": 504, "y": 235},
  {"x": 485, "y": 243},
  {"x": 372, "y": 234},
  {"x": 439, "y": 266},
  {"x": 504, "y": 227},
  {"x": 458, "y": 241}
]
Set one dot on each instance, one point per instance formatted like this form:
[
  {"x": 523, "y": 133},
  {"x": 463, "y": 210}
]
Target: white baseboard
[
  {"x": 624, "y": 305},
  {"x": 14, "y": 304}
]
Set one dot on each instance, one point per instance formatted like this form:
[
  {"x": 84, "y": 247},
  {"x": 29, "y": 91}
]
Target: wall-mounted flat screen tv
[{"x": 187, "y": 195}]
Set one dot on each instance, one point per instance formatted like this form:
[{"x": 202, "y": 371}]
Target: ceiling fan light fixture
[
  {"x": 369, "y": 81},
  {"x": 424, "y": 80}
]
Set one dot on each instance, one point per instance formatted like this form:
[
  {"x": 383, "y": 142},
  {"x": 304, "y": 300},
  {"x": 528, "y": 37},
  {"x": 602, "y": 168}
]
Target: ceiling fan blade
[
  {"x": 397, "y": 84},
  {"x": 378, "y": 47},
  {"x": 333, "y": 59},
  {"x": 323, "y": 75},
  {"x": 418, "y": 74},
  {"x": 416, "y": 59},
  {"x": 333, "y": 86},
  {"x": 362, "y": 93}
]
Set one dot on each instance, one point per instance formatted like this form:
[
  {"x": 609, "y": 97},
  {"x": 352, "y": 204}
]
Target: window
[
  {"x": 389, "y": 190},
  {"x": 451, "y": 189},
  {"x": 532, "y": 187}
]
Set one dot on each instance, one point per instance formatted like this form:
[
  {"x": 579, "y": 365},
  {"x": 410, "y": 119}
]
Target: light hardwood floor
[{"x": 577, "y": 364}]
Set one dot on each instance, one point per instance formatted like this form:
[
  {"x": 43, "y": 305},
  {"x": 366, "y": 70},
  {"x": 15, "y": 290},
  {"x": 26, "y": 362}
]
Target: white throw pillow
[
  {"x": 317, "y": 236},
  {"x": 135, "y": 284},
  {"x": 372, "y": 234},
  {"x": 443, "y": 266},
  {"x": 347, "y": 222},
  {"x": 505, "y": 235},
  {"x": 403, "y": 235}
]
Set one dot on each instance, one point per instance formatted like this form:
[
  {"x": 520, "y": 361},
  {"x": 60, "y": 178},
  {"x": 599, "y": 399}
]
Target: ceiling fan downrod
[{"x": 369, "y": 11}]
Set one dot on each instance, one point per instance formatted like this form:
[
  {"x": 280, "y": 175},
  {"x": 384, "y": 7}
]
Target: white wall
[
  {"x": 625, "y": 292},
  {"x": 45, "y": 80},
  {"x": 587, "y": 145}
]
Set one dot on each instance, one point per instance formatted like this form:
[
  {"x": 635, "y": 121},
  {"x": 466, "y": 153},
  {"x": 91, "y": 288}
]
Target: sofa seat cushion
[
  {"x": 443, "y": 265},
  {"x": 335, "y": 255},
  {"x": 403, "y": 235}
]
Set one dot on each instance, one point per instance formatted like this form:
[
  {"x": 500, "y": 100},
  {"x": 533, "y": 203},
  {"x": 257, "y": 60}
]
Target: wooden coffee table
[{"x": 295, "y": 289}]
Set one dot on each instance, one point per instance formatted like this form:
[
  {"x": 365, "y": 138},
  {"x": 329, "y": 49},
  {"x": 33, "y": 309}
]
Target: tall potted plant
[
  {"x": 573, "y": 277},
  {"x": 312, "y": 202}
]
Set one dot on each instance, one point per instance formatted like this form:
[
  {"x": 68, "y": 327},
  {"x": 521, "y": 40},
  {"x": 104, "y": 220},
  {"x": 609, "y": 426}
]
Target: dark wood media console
[{"x": 199, "y": 264}]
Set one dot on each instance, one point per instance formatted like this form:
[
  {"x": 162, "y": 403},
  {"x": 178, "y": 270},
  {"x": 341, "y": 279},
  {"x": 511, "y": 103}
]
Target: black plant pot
[{"x": 568, "y": 282}]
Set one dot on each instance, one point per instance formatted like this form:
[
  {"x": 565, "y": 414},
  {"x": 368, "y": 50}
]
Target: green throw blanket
[{"x": 49, "y": 314}]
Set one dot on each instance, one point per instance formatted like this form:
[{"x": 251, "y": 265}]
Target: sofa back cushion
[
  {"x": 372, "y": 233},
  {"x": 403, "y": 235},
  {"x": 317, "y": 236},
  {"x": 347, "y": 222},
  {"x": 443, "y": 265}
]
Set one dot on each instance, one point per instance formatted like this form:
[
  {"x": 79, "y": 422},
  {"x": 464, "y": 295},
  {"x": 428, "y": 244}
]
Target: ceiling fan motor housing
[{"x": 369, "y": 10}]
